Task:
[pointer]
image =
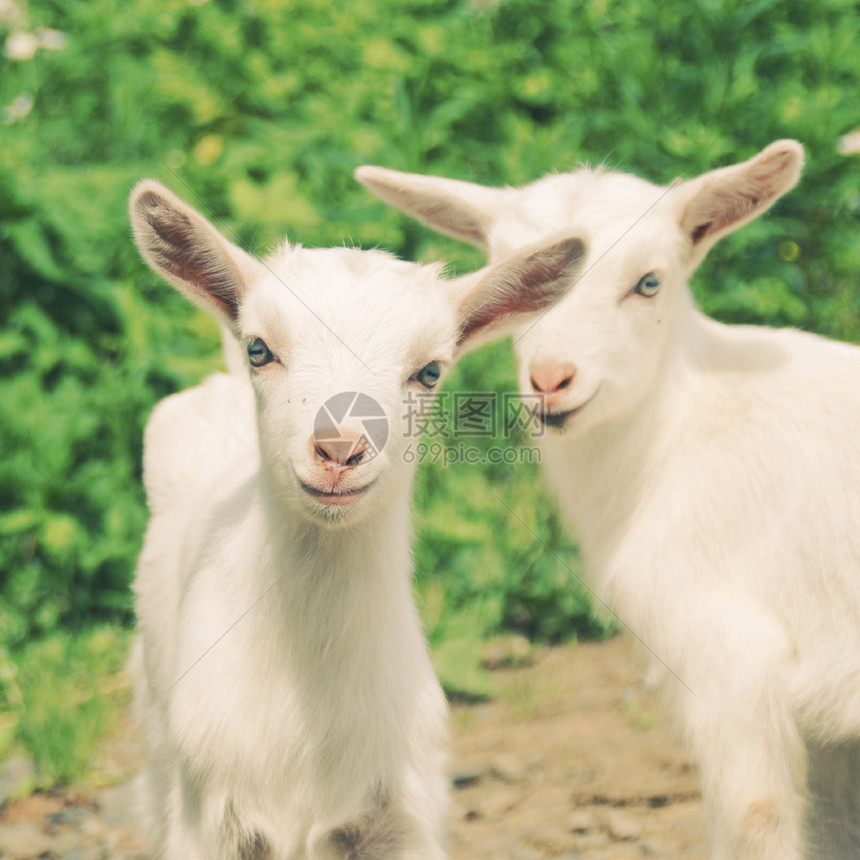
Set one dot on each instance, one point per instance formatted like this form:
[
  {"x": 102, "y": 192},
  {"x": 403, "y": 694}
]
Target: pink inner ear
[
  {"x": 190, "y": 256},
  {"x": 733, "y": 194},
  {"x": 487, "y": 313},
  {"x": 723, "y": 207},
  {"x": 459, "y": 209},
  {"x": 524, "y": 286},
  {"x": 454, "y": 218},
  {"x": 701, "y": 231}
]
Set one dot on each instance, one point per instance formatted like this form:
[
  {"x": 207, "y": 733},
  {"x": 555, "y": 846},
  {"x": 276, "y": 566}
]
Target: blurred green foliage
[
  {"x": 258, "y": 110},
  {"x": 60, "y": 695}
]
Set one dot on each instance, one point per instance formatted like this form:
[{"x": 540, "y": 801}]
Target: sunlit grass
[{"x": 59, "y": 696}]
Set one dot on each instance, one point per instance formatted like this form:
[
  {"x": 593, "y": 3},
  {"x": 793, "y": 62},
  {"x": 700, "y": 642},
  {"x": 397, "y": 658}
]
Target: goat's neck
[
  {"x": 600, "y": 477},
  {"x": 338, "y": 581}
]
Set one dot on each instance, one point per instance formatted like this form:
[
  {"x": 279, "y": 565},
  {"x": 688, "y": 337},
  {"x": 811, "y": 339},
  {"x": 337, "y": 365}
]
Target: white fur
[
  {"x": 713, "y": 479},
  {"x": 288, "y": 698}
]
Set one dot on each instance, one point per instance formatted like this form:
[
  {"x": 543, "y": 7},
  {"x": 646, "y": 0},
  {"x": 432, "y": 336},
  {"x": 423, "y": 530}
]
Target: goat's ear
[
  {"x": 463, "y": 210},
  {"x": 491, "y": 301},
  {"x": 186, "y": 250},
  {"x": 719, "y": 202}
]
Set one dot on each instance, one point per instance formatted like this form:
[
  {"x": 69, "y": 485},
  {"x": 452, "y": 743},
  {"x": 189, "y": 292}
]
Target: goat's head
[
  {"x": 596, "y": 354},
  {"x": 341, "y": 343}
]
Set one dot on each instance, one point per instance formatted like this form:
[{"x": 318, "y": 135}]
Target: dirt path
[{"x": 572, "y": 758}]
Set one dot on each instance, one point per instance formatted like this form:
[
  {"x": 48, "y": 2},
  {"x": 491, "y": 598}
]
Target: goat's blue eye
[
  {"x": 259, "y": 353},
  {"x": 429, "y": 375},
  {"x": 648, "y": 285}
]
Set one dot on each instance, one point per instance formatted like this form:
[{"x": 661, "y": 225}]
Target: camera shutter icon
[{"x": 351, "y": 408}]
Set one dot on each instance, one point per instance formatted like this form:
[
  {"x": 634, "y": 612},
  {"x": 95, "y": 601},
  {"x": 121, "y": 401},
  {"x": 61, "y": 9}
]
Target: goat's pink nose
[
  {"x": 549, "y": 377},
  {"x": 349, "y": 448}
]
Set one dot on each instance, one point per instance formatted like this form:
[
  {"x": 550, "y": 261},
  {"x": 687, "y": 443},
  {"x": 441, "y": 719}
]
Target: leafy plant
[{"x": 258, "y": 112}]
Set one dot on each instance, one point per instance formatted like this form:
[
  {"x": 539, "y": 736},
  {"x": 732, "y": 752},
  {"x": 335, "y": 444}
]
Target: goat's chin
[
  {"x": 334, "y": 509},
  {"x": 569, "y": 417},
  {"x": 328, "y": 515},
  {"x": 335, "y": 516}
]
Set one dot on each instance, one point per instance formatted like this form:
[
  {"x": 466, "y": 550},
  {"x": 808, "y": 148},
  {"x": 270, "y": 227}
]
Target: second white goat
[
  {"x": 712, "y": 474},
  {"x": 289, "y": 702}
]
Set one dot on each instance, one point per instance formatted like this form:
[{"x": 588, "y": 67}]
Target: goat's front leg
[
  {"x": 202, "y": 825},
  {"x": 390, "y": 830},
  {"x": 739, "y": 719}
]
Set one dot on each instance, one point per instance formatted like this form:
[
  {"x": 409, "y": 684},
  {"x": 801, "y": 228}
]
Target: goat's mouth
[
  {"x": 335, "y": 497},
  {"x": 558, "y": 420}
]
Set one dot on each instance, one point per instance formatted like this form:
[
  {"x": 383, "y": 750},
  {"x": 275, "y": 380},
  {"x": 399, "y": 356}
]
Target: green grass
[{"x": 58, "y": 697}]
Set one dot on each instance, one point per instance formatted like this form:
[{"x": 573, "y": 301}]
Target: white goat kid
[
  {"x": 712, "y": 474},
  {"x": 290, "y": 705}
]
